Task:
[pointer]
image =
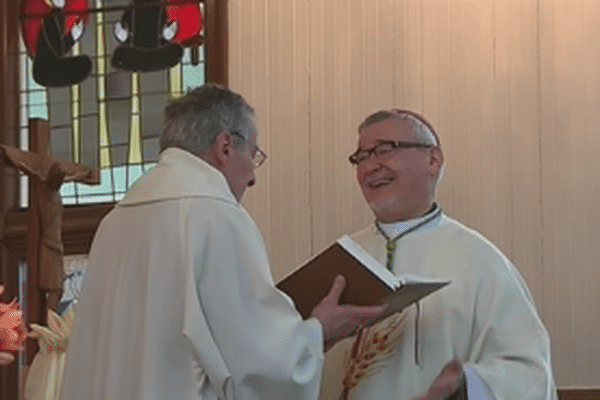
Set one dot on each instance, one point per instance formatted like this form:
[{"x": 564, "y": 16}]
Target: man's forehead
[{"x": 387, "y": 129}]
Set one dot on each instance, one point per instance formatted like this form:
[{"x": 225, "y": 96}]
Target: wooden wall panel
[
  {"x": 570, "y": 145},
  {"x": 516, "y": 110},
  {"x": 269, "y": 66},
  {"x": 337, "y": 85}
]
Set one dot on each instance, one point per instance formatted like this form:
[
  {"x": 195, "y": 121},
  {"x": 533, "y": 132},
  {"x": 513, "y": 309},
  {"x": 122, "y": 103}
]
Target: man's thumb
[{"x": 337, "y": 288}]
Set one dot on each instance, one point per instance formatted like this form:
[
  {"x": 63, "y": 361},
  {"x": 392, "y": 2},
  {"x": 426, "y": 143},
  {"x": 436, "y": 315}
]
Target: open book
[{"x": 367, "y": 281}]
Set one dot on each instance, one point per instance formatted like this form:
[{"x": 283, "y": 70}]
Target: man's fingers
[
  {"x": 453, "y": 367},
  {"x": 447, "y": 382},
  {"x": 367, "y": 311},
  {"x": 339, "y": 283},
  {"x": 340, "y": 321}
]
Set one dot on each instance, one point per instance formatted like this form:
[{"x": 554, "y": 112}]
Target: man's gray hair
[
  {"x": 193, "y": 121},
  {"x": 423, "y": 130}
]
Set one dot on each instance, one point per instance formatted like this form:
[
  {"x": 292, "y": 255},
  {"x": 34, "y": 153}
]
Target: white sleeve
[
  {"x": 270, "y": 352},
  {"x": 510, "y": 347}
]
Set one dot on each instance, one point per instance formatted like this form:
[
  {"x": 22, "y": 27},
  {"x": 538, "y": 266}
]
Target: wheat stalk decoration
[{"x": 371, "y": 348}]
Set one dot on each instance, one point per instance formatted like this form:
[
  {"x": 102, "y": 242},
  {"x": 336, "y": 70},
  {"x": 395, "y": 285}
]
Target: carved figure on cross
[{"x": 44, "y": 245}]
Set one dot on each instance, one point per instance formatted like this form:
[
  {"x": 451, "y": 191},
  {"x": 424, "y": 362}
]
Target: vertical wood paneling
[
  {"x": 338, "y": 87},
  {"x": 570, "y": 147},
  {"x": 512, "y": 89},
  {"x": 321, "y": 109},
  {"x": 289, "y": 135},
  {"x": 271, "y": 39},
  {"x": 359, "y": 38},
  {"x": 249, "y": 73},
  {"x": 520, "y": 75}
]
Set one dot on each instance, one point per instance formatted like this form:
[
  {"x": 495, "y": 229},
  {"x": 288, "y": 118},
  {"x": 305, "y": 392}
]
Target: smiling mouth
[{"x": 380, "y": 183}]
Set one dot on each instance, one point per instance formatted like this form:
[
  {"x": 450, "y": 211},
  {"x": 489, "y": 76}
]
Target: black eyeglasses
[
  {"x": 258, "y": 156},
  {"x": 383, "y": 150}
]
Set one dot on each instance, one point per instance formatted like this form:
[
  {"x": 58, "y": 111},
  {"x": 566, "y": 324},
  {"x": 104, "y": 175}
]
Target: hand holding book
[
  {"x": 368, "y": 283},
  {"x": 342, "y": 321}
]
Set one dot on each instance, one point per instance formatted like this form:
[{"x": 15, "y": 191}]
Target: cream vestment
[
  {"x": 178, "y": 301},
  {"x": 485, "y": 318}
]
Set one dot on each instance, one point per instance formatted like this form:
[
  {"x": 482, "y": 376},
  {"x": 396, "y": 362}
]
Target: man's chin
[{"x": 381, "y": 207}]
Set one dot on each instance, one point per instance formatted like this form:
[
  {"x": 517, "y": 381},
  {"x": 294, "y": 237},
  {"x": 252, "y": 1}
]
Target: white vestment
[
  {"x": 485, "y": 318},
  {"x": 178, "y": 301}
]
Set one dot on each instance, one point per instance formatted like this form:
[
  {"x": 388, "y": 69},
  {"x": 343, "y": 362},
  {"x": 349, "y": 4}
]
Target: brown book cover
[{"x": 367, "y": 281}]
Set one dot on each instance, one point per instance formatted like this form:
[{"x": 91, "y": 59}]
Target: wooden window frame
[{"x": 79, "y": 221}]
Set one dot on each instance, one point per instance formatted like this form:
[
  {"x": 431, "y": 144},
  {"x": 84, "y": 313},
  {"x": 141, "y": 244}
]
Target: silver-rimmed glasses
[{"x": 258, "y": 156}]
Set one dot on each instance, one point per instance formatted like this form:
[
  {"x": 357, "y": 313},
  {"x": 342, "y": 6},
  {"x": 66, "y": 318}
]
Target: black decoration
[
  {"x": 51, "y": 67},
  {"x": 145, "y": 49}
]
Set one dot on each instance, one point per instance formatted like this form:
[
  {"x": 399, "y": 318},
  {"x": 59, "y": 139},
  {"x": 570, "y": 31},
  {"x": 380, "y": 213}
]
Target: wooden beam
[
  {"x": 9, "y": 131},
  {"x": 216, "y": 41}
]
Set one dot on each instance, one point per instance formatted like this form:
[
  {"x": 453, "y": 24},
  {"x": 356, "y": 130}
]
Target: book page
[
  {"x": 407, "y": 279},
  {"x": 369, "y": 261}
]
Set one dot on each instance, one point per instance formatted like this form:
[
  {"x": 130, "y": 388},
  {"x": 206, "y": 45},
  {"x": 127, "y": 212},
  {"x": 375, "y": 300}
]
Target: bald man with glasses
[{"x": 480, "y": 337}]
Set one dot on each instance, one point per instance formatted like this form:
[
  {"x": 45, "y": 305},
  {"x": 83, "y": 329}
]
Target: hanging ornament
[
  {"x": 147, "y": 38},
  {"x": 50, "y": 28}
]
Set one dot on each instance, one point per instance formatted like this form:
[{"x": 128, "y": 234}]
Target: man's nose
[
  {"x": 252, "y": 180},
  {"x": 369, "y": 164}
]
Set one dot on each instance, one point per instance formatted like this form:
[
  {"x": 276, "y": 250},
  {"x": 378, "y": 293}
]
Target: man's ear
[
  {"x": 220, "y": 151},
  {"x": 436, "y": 160}
]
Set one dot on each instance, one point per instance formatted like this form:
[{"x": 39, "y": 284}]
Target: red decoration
[
  {"x": 188, "y": 17},
  {"x": 31, "y": 26},
  {"x": 33, "y": 13},
  {"x": 12, "y": 330},
  {"x": 75, "y": 12}
]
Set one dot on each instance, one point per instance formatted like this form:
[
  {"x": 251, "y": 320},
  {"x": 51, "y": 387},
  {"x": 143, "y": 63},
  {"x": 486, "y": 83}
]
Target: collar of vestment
[
  {"x": 395, "y": 229},
  {"x": 179, "y": 174}
]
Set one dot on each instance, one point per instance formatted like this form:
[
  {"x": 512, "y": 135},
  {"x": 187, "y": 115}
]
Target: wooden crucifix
[{"x": 44, "y": 236}]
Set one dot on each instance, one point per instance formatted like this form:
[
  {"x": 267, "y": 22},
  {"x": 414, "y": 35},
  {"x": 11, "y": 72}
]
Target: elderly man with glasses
[
  {"x": 480, "y": 336},
  {"x": 178, "y": 301}
]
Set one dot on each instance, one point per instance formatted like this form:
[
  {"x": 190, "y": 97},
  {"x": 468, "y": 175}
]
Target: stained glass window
[{"x": 113, "y": 118}]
